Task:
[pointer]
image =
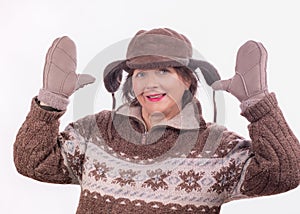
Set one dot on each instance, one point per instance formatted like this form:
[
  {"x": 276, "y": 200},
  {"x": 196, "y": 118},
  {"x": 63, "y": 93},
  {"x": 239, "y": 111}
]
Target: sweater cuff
[
  {"x": 261, "y": 108},
  {"x": 43, "y": 115}
]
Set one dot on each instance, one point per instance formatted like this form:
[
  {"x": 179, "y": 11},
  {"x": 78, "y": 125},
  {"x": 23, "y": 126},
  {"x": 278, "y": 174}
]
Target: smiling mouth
[{"x": 155, "y": 97}]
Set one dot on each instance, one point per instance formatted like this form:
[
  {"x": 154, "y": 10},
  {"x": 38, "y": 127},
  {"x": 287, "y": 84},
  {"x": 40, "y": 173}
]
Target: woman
[{"x": 156, "y": 153}]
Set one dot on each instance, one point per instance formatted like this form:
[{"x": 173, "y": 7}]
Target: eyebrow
[{"x": 158, "y": 69}]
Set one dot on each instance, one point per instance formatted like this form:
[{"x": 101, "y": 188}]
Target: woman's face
[{"x": 159, "y": 91}]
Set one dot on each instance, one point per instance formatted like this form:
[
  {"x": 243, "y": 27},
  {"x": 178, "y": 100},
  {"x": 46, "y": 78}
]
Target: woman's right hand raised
[{"x": 59, "y": 78}]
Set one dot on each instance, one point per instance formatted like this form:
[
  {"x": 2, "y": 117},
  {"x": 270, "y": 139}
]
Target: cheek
[
  {"x": 177, "y": 94},
  {"x": 137, "y": 87},
  {"x": 176, "y": 88}
]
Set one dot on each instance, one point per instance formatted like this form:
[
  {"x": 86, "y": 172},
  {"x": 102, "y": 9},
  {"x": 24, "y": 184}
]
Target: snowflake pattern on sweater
[{"x": 186, "y": 166}]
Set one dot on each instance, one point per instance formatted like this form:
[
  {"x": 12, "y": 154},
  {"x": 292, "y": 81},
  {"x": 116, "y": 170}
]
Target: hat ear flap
[
  {"x": 113, "y": 75},
  {"x": 209, "y": 72}
]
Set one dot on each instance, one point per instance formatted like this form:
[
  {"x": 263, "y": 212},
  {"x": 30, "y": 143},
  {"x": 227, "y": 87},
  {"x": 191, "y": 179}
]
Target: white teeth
[{"x": 156, "y": 96}]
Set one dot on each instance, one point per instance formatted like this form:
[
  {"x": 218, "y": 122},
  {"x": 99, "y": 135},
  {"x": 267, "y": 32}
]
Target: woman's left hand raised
[{"x": 249, "y": 82}]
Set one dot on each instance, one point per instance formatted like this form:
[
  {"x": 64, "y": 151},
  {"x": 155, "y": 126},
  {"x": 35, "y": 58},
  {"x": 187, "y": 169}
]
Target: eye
[
  {"x": 140, "y": 74},
  {"x": 163, "y": 71}
]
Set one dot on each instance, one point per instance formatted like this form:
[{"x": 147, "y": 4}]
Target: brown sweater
[{"x": 183, "y": 165}]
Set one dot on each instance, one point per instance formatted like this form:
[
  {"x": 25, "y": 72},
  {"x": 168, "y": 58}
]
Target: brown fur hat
[{"x": 157, "y": 48}]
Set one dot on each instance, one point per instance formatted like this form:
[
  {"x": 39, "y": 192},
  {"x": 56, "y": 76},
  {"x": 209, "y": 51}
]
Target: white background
[{"x": 216, "y": 29}]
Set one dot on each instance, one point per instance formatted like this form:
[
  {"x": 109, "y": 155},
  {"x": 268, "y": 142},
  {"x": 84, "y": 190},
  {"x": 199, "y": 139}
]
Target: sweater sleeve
[
  {"x": 38, "y": 151},
  {"x": 273, "y": 165}
]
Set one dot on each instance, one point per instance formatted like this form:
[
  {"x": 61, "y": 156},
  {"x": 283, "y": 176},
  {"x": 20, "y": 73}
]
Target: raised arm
[
  {"x": 274, "y": 163},
  {"x": 38, "y": 150}
]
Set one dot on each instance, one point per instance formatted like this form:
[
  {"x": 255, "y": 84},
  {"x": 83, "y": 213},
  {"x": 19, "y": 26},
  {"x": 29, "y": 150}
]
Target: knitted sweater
[{"x": 183, "y": 165}]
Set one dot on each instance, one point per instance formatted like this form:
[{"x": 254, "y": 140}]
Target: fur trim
[{"x": 54, "y": 100}]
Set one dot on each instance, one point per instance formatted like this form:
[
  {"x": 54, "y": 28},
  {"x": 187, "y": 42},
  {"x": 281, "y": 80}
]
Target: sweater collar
[{"x": 189, "y": 118}]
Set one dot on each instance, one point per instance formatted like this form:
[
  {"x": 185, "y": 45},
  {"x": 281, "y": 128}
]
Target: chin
[{"x": 156, "y": 111}]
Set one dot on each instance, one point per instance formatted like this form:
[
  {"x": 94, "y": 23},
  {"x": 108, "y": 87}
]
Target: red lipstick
[{"x": 155, "y": 97}]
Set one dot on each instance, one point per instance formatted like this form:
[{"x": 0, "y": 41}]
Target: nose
[{"x": 152, "y": 81}]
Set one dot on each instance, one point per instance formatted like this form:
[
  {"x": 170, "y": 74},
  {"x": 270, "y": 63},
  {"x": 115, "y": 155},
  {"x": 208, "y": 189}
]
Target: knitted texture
[
  {"x": 192, "y": 169},
  {"x": 273, "y": 143}
]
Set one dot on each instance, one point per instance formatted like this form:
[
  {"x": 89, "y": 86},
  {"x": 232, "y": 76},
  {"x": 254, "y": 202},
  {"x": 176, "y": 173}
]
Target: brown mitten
[
  {"x": 59, "y": 78},
  {"x": 249, "y": 84}
]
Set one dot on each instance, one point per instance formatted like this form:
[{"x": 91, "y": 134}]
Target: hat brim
[
  {"x": 113, "y": 71},
  {"x": 155, "y": 62}
]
